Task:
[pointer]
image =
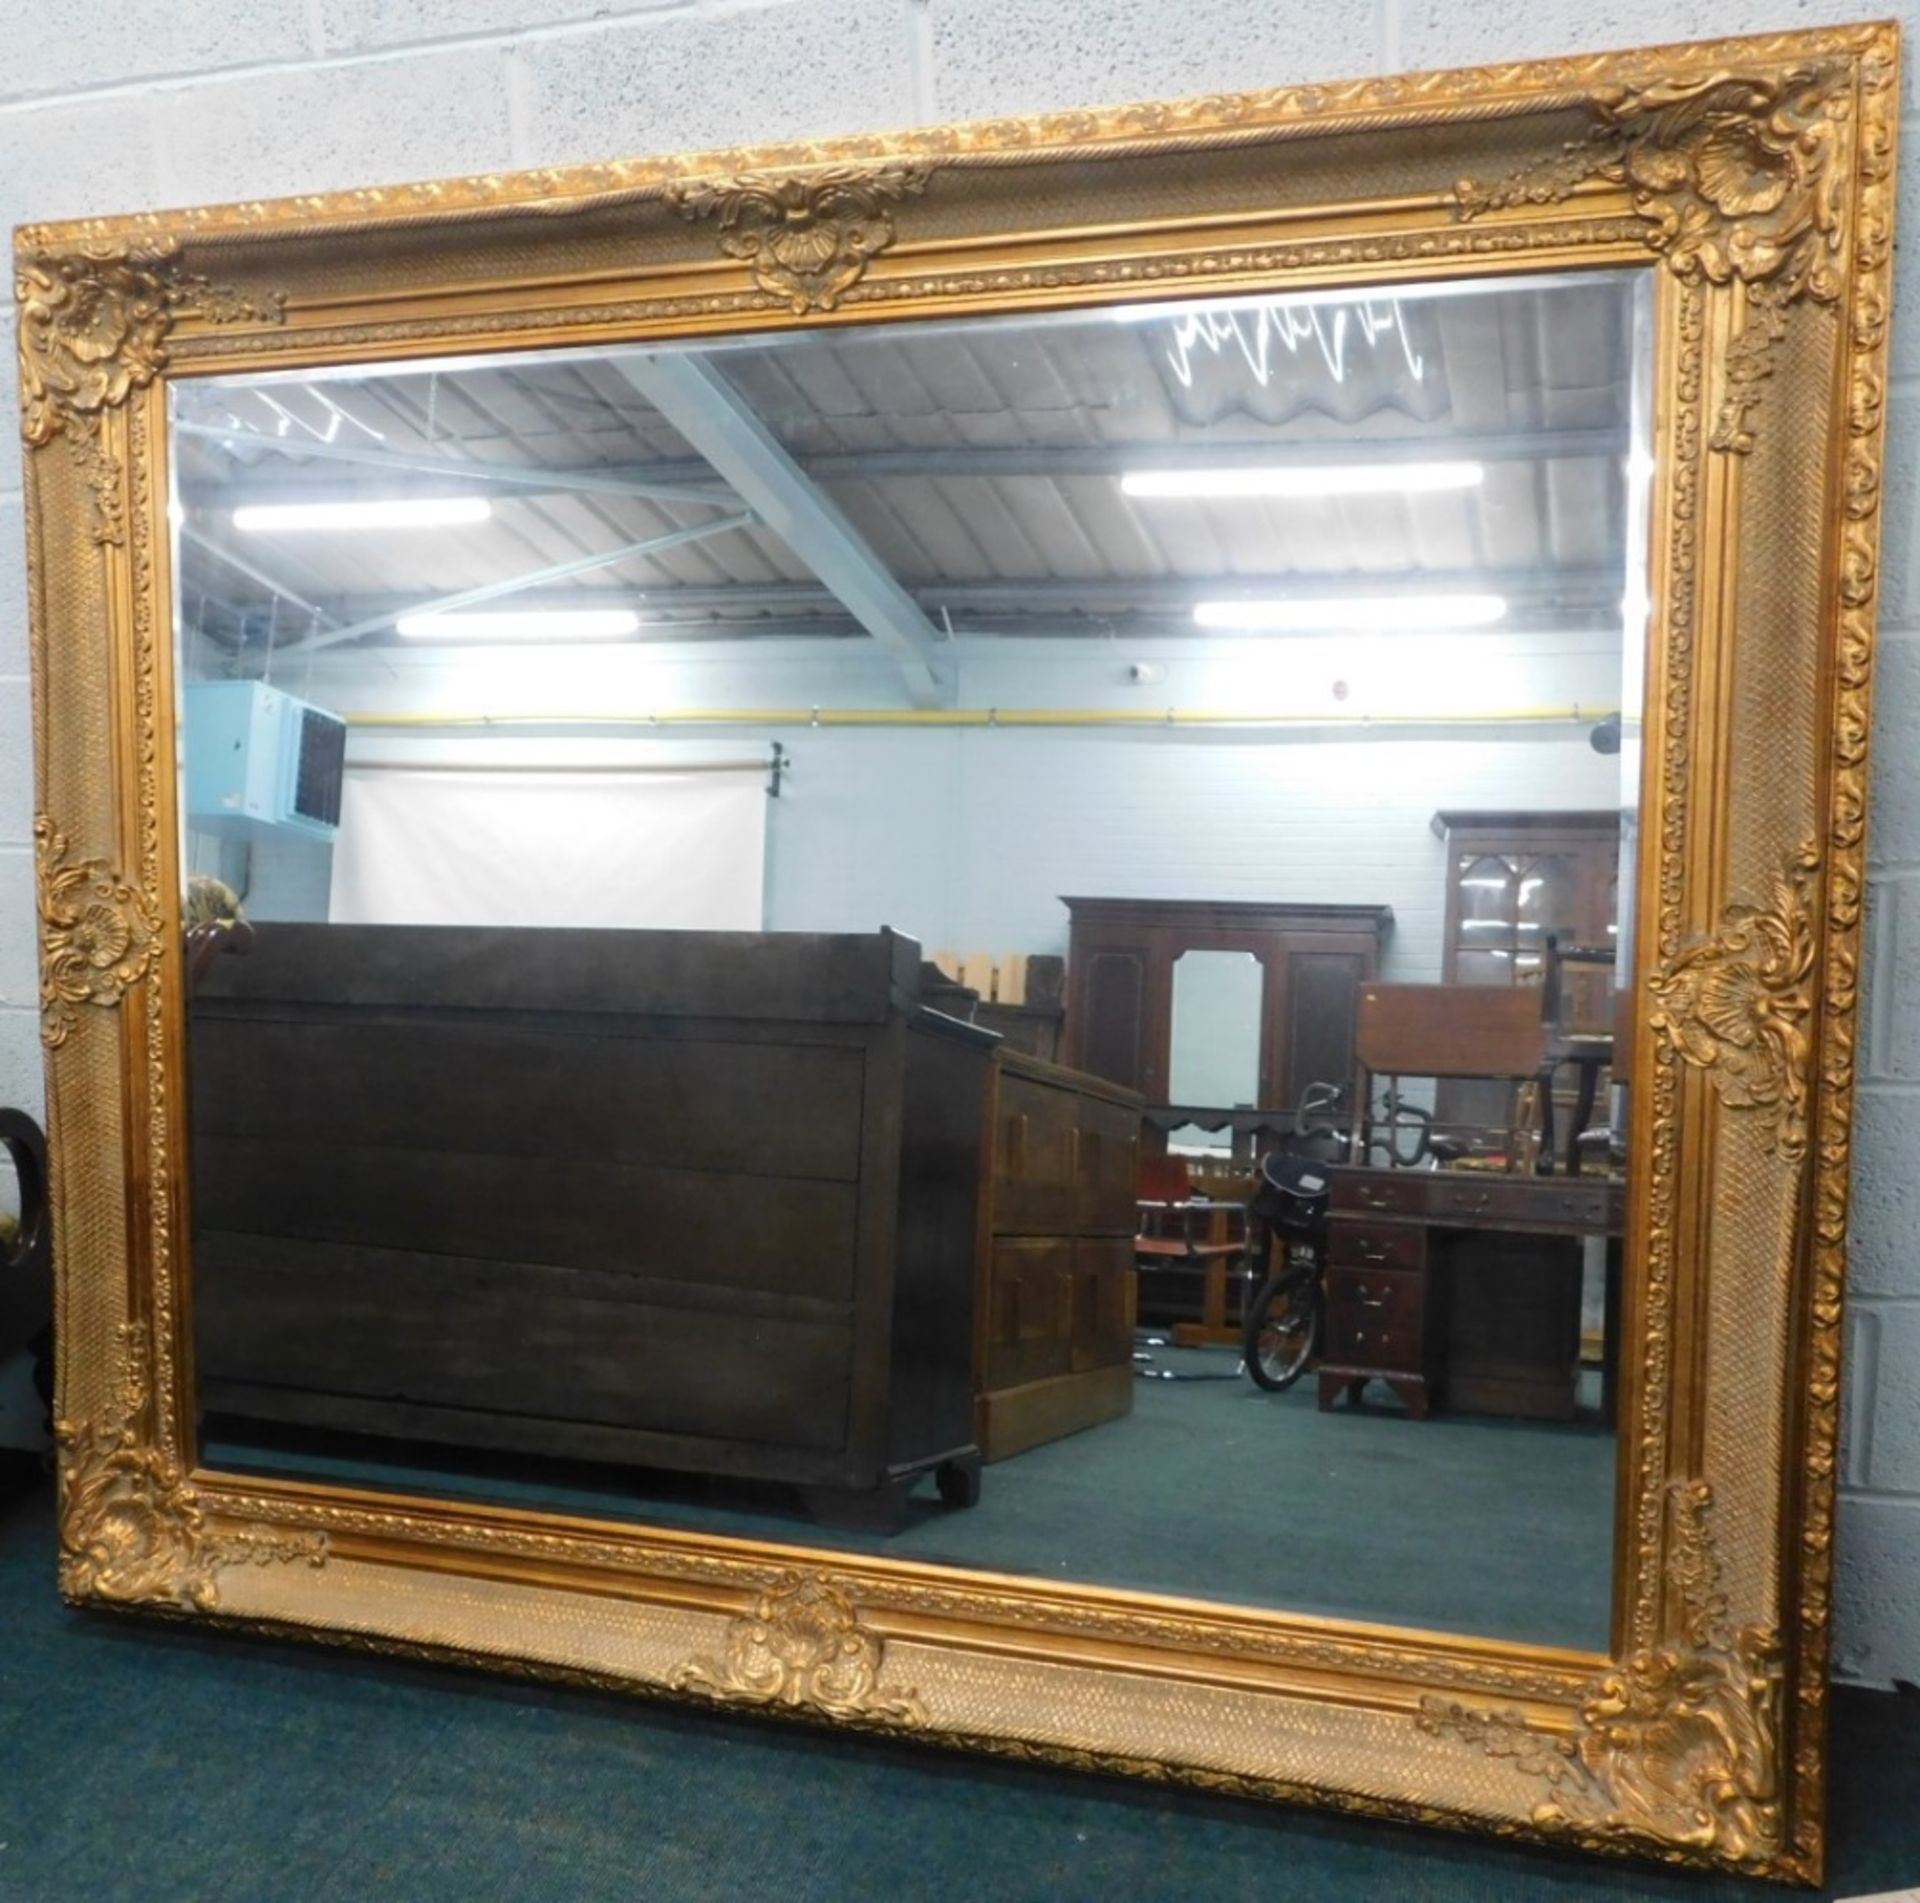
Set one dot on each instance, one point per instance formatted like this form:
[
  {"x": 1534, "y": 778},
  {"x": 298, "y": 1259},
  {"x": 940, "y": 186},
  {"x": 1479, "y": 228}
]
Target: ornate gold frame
[{"x": 1756, "y": 177}]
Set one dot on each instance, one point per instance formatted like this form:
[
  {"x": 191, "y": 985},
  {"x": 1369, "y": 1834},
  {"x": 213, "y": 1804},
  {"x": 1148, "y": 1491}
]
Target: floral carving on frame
[
  {"x": 803, "y": 1646},
  {"x": 807, "y": 238},
  {"x": 97, "y": 933},
  {"x": 93, "y": 329},
  {"x": 1680, "y": 1743},
  {"x": 1737, "y": 1006},
  {"x": 1738, "y": 178},
  {"x": 132, "y": 1532}
]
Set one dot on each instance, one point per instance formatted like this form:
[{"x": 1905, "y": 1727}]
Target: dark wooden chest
[{"x": 699, "y": 1201}]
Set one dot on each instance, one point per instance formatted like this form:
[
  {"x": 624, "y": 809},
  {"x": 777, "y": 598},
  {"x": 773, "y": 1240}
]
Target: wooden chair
[
  {"x": 1181, "y": 1234},
  {"x": 1443, "y": 1031},
  {"x": 1562, "y": 1042}
]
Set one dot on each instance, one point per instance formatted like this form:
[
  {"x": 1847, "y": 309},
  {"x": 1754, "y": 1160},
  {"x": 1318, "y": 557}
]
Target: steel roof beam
[
  {"x": 253, "y": 572},
  {"x": 613, "y": 482},
  {"x": 516, "y": 584},
  {"x": 1095, "y": 460},
  {"x": 1049, "y": 610},
  {"x": 1526, "y": 591},
  {"x": 709, "y": 412}
]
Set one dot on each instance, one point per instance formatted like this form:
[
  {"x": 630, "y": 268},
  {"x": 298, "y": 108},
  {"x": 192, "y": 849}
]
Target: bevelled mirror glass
[
  {"x": 1045, "y": 935},
  {"x": 648, "y": 805}
]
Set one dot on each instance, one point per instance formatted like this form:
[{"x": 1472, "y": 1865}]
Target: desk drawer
[
  {"x": 1377, "y": 1245},
  {"x": 1357, "y": 1338},
  {"x": 1400, "y": 1192},
  {"x": 1526, "y": 1201},
  {"x": 1376, "y": 1297}
]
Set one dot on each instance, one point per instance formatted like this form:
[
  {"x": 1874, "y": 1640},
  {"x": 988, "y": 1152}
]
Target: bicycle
[{"x": 1289, "y": 1206}]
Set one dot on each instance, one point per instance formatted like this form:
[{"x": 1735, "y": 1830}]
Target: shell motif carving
[
  {"x": 93, "y": 326},
  {"x": 803, "y": 1647},
  {"x": 1680, "y": 1744},
  {"x": 132, "y": 1532},
  {"x": 97, "y": 933},
  {"x": 1740, "y": 181},
  {"x": 809, "y": 237},
  {"x": 1737, "y": 1006}
]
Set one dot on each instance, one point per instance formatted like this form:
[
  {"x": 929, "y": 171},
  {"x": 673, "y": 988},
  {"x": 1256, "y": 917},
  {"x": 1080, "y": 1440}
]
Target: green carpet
[
  {"x": 148, "y": 1764},
  {"x": 1209, "y": 1488}
]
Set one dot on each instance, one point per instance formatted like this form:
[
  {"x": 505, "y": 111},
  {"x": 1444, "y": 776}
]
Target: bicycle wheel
[{"x": 1283, "y": 1331}]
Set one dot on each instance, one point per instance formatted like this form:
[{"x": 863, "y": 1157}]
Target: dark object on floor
[
  {"x": 26, "y": 1277},
  {"x": 26, "y": 1242},
  {"x": 693, "y": 1200}
]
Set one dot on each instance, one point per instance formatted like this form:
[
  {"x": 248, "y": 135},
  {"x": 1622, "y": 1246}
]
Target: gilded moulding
[
  {"x": 808, "y": 237},
  {"x": 640, "y": 1557},
  {"x": 1737, "y": 1006},
  {"x": 1839, "y": 1021},
  {"x": 132, "y": 1532},
  {"x": 803, "y": 1646},
  {"x": 1679, "y": 1744},
  {"x": 93, "y": 329},
  {"x": 1737, "y": 175},
  {"x": 1376, "y": 103}
]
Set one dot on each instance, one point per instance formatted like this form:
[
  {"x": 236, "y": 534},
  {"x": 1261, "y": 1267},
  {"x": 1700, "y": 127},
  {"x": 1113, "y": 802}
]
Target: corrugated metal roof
[{"x": 979, "y": 461}]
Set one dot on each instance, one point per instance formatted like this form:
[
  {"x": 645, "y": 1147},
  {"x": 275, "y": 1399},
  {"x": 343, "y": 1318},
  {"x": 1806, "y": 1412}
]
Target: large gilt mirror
[{"x": 1044, "y": 936}]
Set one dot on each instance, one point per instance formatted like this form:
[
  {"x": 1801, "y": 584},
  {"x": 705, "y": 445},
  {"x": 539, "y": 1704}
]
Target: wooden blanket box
[{"x": 686, "y": 1200}]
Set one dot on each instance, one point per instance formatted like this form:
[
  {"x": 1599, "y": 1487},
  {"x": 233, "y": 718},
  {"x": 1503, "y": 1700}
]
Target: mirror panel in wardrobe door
[{"x": 1001, "y": 943}]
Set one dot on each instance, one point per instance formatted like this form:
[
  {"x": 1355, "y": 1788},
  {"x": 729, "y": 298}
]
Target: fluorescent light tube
[
  {"x": 395, "y": 512},
  {"x": 1304, "y": 479},
  {"x": 1406, "y": 614},
  {"x": 522, "y": 624}
]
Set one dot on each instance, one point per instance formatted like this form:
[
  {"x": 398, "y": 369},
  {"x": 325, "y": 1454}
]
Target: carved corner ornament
[
  {"x": 808, "y": 237},
  {"x": 1740, "y": 181},
  {"x": 1680, "y": 1745},
  {"x": 132, "y": 1532},
  {"x": 803, "y": 1647},
  {"x": 1737, "y": 1006},
  {"x": 98, "y": 937},
  {"x": 93, "y": 326}
]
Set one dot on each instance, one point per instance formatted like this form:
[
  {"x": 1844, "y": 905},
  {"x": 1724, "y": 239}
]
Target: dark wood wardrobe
[{"x": 1120, "y": 972}]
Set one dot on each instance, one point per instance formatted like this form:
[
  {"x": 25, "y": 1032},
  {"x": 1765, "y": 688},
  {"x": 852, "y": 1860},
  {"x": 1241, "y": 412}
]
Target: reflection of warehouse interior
[{"x": 761, "y": 909}]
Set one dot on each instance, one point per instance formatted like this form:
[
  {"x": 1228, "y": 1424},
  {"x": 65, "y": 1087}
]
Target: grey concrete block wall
[{"x": 115, "y": 105}]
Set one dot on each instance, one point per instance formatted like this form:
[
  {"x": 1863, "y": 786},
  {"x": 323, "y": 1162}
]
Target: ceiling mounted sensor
[
  {"x": 1409, "y": 614},
  {"x": 390, "y": 512},
  {"x": 545, "y": 625},
  {"x": 1304, "y": 480}
]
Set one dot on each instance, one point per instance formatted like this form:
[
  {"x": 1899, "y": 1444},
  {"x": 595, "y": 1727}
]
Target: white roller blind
[{"x": 455, "y": 846}]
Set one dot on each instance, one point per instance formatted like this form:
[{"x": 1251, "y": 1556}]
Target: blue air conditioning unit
[{"x": 258, "y": 759}]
